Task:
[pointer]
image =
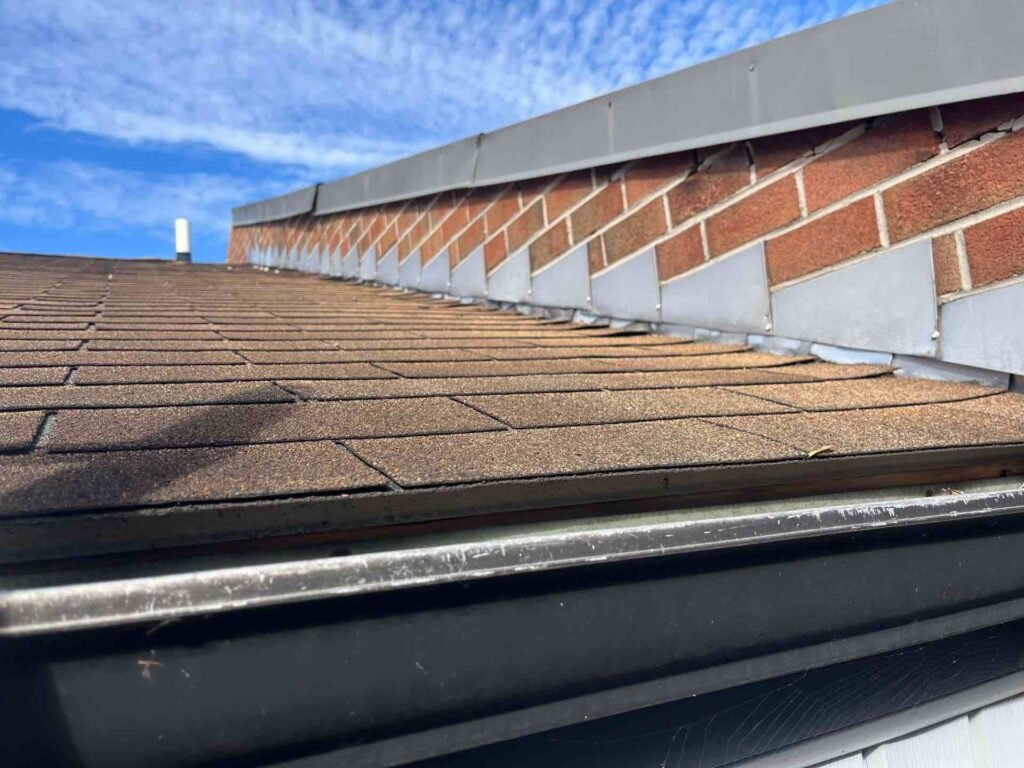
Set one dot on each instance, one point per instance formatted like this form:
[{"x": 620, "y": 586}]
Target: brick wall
[{"x": 813, "y": 200}]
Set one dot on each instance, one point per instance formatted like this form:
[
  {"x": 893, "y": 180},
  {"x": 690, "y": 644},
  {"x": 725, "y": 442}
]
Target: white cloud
[
  {"x": 335, "y": 87},
  {"x": 84, "y": 196}
]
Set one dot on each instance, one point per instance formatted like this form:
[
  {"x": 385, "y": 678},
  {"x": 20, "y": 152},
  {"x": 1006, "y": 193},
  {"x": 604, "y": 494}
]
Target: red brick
[
  {"x": 970, "y": 119},
  {"x": 567, "y": 192},
  {"x": 595, "y": 255},
  {"x": 995, "y": 248},
  {"x": 773, "y": 152},
  {"x": 653, "y": 173},
  {"x": 890, "y": 147},
  {"x": 761, "y": 212},
  {"x": 972, "y": 182},
  {"x": 681, "y": 253},
  {"x": 821, "y": 243},
  {"x": 478, "y": 200},
  {"x": 377, "y": 225},
  {"x": 406, "y": 219},
  {"x": 726, "y": 176},
  {"x": 495, "y": 251},
  {"x": 458, "y": 219},
  {"x": 441, "y": 209},
  {"x": 529, "y": 223},
  {"x": 531, "y": 189},
  {"x": 549, "y": 246},
  {"x": 597, "y": 211},
  {"x": 504, "y": 208},
  {"x": 946, "y": 265},
  {"x": 388, "y": 239},
  {"x": 470, "y": 239},
  {"x": 635, "y": 232},
  {"x": 404, "y": 247}
]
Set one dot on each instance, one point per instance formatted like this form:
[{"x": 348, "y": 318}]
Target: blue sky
[{"x": 116, "y": 117}]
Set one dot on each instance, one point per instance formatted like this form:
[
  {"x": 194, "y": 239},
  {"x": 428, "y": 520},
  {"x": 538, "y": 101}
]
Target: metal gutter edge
[
  {"x": 38, "y": 610},
  {"x": 905, "y": 55}
]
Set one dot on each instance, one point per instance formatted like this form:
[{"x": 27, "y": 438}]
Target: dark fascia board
[
  {"x": 276, "y": 208},
  {"x": 906, "y": 55}
]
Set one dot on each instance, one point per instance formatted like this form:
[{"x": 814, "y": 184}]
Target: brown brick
[
  {"x": 478, "y": 200},
  {"x": 567, "y": 192},
  {"x": 531, "y": 189},
  {"x": 890, "y": 147},
  {"x": 595, "y": 255},
  {"x": 377, "y": 225},
  {"x": 598, "y": 211},
  {"x": 495, "y": 251},
  {"x": 681, "y": 253},
  {"x": 970, "y": 119},
  {"x": 773, "y": 152},
  {"x": 652, "y": 173},
  {"x": 761, "y": 212},
  {"x": 995, "y": 248},
  {"x": 829, "y": 240},
  {"x": 387, "y": 240},
  {"x": 973, "y": 182},
  {"x": 504, "y": 208},
  {"x": 406, "y": 219},
  {"x": 441, "y": 209},
  {"x": 636, "y": 231},
  {"x": 470, "y": 239},
  {"x": 549, "y": 246},
  {"x": 529, "y": 223},
  {"x": 458, "y": 219},
  {"x": 946, "y": 265},
  {"x": 726, "y": 176}
]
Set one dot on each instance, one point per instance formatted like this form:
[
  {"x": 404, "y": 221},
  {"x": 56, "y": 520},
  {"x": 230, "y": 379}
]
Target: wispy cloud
[
  {"x": 95, "y": 198},
  {"x": 336, "y": 87}
]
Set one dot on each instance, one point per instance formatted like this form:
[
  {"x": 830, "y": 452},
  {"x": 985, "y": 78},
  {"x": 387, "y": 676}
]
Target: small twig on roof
[{"x": 822, "y": 449}]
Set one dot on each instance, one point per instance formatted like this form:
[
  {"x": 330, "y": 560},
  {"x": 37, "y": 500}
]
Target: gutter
[
  {"x": 388, "y": 658},
  {"x": 42, "y": 610}
]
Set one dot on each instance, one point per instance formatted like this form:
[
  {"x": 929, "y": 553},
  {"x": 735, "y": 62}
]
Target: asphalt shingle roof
[{"x": 128, "y": 385}]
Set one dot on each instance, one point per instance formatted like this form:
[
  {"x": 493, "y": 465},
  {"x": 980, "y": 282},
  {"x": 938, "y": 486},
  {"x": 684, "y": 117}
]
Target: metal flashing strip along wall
[
  {"x": 771, "y": 89},
  {"x": 892, "y": 237}
]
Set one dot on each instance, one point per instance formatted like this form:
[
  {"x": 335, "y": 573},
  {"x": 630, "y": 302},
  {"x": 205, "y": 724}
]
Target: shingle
[
  {"x": 441, "y": 460},
  {"x": 155, "y": 335},
  {"x": 1006, "y": 406},
  {"x": 87, "y": 357},
  {"x": 82, "y": 481},
  {"x": 818, "y": 371},
  {"x": 114, "y": 395},
  {"x": 18, "y": 430},
  {"x": 8, "y": 334},
  {"x": 870, "y": 393},
  {"x": 583, "y": 365},
  {"x": 556, "y": 353},
  {"x": 625, "y": 339},
  {"x": 158, "y": 345},
  {"x": 880, "y": 430},
  {"x": 31, "y": 376},
  {"x": 238, "y": 424},
  {"x": 577, "y": 408},
  {"x": 150, "y": 374},
  {"x": 367, "y": 355},
  {"x": 34, "y": 345}
]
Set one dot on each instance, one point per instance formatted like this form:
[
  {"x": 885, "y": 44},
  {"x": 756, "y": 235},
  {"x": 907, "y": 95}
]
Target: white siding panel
[
  {"x": 853, "y": 761},
  {"x": 944, "y": 746},
  {"x": 997, "y": 735}
]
